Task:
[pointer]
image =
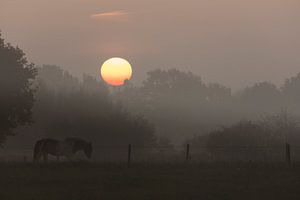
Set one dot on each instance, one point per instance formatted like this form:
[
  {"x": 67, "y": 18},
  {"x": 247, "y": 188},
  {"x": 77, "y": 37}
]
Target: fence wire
[{"x": 174, "y": 153}]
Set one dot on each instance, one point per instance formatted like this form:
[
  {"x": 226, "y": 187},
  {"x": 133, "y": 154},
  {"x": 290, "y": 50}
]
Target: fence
[{"x": 183, "y": 153}]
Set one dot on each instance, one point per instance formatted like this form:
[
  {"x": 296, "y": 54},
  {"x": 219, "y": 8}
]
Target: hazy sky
[{"x": 234, "y": 42}]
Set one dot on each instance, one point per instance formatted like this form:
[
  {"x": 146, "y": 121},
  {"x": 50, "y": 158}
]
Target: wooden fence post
[
  {"x": 288, "y": 153},
  {"x": 129, "y": 155},
  {"x": 187, "y": 156}
]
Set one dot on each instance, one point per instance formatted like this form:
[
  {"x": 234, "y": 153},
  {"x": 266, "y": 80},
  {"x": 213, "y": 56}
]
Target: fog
[
  {"x": 236, "y": 43},
  {"x": 204, "y": 72},
  {"x": 211, "y": 111}
]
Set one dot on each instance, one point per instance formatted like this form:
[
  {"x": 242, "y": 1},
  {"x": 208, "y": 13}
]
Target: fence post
[
  {"x": 129, "y": 154},
  {"x": 187, "y": 156},
  {"x": 288, "y": 153}
]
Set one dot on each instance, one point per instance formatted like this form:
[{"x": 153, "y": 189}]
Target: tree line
[
  {"x": 47, "y": 101},
  {"x": 181, "y": 105},
  {"x": 170, "y": 106}
]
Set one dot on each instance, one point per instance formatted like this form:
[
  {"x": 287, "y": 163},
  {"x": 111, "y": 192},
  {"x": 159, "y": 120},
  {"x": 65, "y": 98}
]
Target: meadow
[{"x": 147, "y": 181}]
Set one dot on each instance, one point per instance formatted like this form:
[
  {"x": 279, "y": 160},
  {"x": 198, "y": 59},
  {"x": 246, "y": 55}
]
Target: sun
[{"x": 115, "y": 71}]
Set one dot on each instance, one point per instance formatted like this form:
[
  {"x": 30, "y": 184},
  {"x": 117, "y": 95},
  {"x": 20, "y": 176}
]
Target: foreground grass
[{"x": 209, "y": 181}]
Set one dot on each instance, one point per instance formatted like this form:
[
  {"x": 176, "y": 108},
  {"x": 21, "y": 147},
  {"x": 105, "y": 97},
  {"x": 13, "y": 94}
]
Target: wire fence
[{"x": 183, "y": 153}]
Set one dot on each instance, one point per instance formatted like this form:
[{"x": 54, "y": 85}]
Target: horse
[{"x": 57, "y": 148}]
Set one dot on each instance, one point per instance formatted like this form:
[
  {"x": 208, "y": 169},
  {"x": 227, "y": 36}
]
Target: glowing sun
[{"x": 115, "y": 71}]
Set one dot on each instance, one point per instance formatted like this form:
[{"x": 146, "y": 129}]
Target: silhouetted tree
[
  {"x": 282, "y": 126},
  {"x": 242, "y": 141},
  {"x": 177, "y": 102},
  {"x": 68, "y": 107},
  {"x": 263, "y": 93},
  {"x": 262, "y": 139},
  {"x": 291, "y": 88},
  {"x": 16, "y": 100}
]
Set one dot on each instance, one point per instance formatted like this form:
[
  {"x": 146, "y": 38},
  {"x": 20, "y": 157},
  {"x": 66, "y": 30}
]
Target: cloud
[{"x": 111, "y": 14}]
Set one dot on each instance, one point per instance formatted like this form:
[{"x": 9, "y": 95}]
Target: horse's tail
[{"x": 37, "y": 149}]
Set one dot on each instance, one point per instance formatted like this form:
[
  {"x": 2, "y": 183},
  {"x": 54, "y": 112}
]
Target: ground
[{"x": 182, "y": 181}]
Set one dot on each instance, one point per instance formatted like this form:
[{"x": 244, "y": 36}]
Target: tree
[
  {"x": 283, "y": 126},
  {"x": 238, "y": 141},
  {"x": 179, "y": 103},
  {"x": 291, "y": 88},
  {"x": 255, "y": 140},
  {"x": 174, "y": 83},
  {"x": 68, "y": 107},
  {"x": 16, "y": 93},
  {"x": 261, "y": 93}
]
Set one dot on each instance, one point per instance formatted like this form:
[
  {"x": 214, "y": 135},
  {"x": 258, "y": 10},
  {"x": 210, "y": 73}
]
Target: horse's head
[{"x": 88, "y": 149}]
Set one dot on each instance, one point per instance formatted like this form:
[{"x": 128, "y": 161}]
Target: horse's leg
[
  {"x": 45, "y": 156},
  {"x": 38, "y": 157}
]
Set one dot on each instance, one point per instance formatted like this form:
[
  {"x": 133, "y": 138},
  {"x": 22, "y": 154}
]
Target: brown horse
[{"x": 57, "y": 148}]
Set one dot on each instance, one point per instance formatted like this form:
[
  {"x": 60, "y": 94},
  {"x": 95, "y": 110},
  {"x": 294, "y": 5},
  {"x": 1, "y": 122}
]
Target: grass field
[{"x": 207, "y": 181}]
